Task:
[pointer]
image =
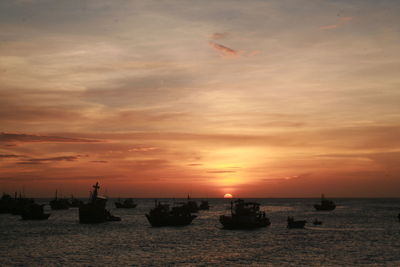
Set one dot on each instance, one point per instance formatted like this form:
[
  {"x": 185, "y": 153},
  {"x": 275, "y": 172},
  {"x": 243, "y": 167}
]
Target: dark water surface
[{"x": 360, "y": 232}]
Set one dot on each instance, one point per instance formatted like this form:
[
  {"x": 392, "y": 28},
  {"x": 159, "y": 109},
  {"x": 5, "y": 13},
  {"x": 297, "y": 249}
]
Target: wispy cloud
[
  {"x": 224, "y": 51},
  {"x": 219, "y": 35},
  {"x": 51, "y": 159},
  {"x": 340, "y": 22},
  {"x": 12, "y": 137},
  {"x": 221, "y": 171}
]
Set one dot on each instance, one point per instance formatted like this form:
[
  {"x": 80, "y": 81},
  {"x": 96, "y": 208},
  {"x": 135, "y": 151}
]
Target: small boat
[
  {"x": 295, "y": 224},
  {"x": 34, "y": 212},
  {"x": 19, "y": 204},
  {"x": 74, "y": 202},
  {"x": 244, "y": 215},
  {"x": 204, "y": 205},
  {"x": 6, "y": 203},
  {"x": 59, "y": 203},
  {"x": 192, "y": 205},
  {"x": 126, "y": 204},
  {"x": 95, "y": 210},
  {"x": 163, "y": 215},
  {"x": 326, "y": 204},
  {"x": 317, "y": 222}
]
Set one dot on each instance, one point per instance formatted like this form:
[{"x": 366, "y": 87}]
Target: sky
[{"x": 269, "y": 98}]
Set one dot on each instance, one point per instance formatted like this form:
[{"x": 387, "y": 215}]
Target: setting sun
[{"x": 227, "y": 195}]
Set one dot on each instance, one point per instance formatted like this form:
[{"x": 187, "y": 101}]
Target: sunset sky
[{"x": 168, "y": 98}]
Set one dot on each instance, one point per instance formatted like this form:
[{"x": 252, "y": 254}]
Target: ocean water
[{"x": 360, "y": 232}]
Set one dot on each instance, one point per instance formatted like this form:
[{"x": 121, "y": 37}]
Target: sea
[{"x": 359, "y": 232}]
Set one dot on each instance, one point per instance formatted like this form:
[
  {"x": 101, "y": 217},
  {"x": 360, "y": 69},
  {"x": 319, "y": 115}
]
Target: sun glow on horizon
[{"x": 227, "y": 195}]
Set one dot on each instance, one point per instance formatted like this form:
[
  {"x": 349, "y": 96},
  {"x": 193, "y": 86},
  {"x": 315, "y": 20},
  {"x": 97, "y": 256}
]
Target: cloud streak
[
  {"x": 223, "y": 51},
  {"x": 30, "y": 138}
]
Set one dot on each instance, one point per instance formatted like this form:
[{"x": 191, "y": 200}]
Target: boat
[
  {"x": 244, "y": 215},
  {"x": 204, "y": 205},
  {"x": 295, "y": 224},
  {"x": 126, "y": 204},
  {"x": 34, "y": 211},
  {"x": 74, "y": 202},
  {"x": 19, "y": 204},
  {"x": 192, "y": 205},
  {"x": 95, "y": 210},
  {"x": 326, "y": 204},
  {"x": 163, "y": 215},
  {"x": 59, "y": 203},
  {"x": 317, "y": 222},
  {"x": 6, "y": 203}
]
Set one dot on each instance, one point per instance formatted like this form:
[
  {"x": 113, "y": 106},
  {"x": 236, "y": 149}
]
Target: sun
[{"x": 227, "y": 195}]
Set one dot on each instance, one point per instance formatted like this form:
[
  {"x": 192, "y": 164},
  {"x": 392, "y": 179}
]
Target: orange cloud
[
  {"x": 341, "y": 21},
  {"x": 11, "y": 137},
  {"x": 223, "y": 50},
  {"x": 219, "y": 35}
]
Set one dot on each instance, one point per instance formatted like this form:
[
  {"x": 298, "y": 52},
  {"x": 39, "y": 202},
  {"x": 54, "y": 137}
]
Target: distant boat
[
  {"x": 244, "y": 215},
  {"x": 295, "y": 224},
  {"x": 317, "y": 222},
  {"x": 34, "y": 212},
  {"x": 6, "y": 203},
  {"x": 204, "y": 205},
  {"x": 95, "y": 210},
  {"x": 192, "y": 205},
  {"x": 126, "y": 204},
  {"x": 19, "y": 204},
  {"x": 59, "y": 203},
  {"x": 326, "y": 204},
  {"x": 74, "y": 202},
  {"x": 163, "y": 215}
]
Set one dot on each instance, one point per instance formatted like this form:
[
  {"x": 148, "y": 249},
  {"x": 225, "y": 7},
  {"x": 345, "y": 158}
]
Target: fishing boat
[
  {"x": 126, "y": 204},
  {"x": 95, "y": 210},
  {"x": 164, "y": 215},
  {"x": 34, "y": 211},
  {"x": 19, "y": 204},
  {"x": 292, "y": 223},
  {"x": 6, "y": 203},
  {"x": 326, "y": 204},
  {"x": 244, "y": 215},
  {"x": 59, "y": 203},
  {"x": 204, "y": 205},
  {"x": 192, "y": 205},
  {"x": 74, "y": 202}
]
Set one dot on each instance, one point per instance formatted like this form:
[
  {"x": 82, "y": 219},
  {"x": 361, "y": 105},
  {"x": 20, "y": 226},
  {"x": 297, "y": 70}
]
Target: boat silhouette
[
  {"x": 204, "y": 205},
  {"x": 192, "y": 205},
  {"x": 326, "y": 204},
  {"x": 126, "y": 204},
  {"x": 19, "y": 204},
  {"x": 59, "y": 203},
  {"x": 6, "y": 203},
  {"x": 295, "y": 224},
  {"x": 163, "y": 215},
  {"x": 34, "y": 211},
  {"x": 74, "y": 202},
  {"x": 95, "y": 210},
  {"x": 244, "y": 215}
]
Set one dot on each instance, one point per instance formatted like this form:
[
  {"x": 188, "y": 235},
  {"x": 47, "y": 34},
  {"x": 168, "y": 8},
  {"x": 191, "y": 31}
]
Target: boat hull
[
  {"x": 319, "y": 207},
  {"x": 232, "y": 223},
  {"x": 124, "y": 206},
  {"x": 169, "y": 220},
  {"x": 92, "y": 214}
]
